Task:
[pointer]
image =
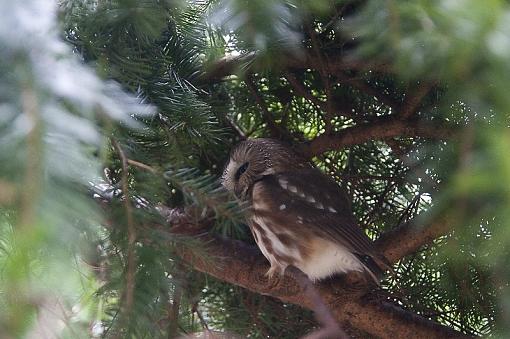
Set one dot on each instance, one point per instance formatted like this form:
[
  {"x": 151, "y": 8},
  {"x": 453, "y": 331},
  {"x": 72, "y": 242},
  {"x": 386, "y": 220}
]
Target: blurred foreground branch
[{"x": 334, "y": 64}]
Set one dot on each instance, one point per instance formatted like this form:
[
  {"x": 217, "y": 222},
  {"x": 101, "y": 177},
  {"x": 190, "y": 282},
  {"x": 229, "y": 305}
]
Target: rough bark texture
[
  {"x": 381, "y": 130},
  {"x": 350, "y": 298},
  {"x": 408, "y": 238}
]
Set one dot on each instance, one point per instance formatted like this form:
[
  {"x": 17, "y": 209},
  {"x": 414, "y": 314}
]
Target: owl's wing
[{"x": 312, "y": 199}]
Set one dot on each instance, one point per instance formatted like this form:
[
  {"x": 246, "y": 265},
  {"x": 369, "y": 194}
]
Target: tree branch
[
  {"x": 376, "y": 130},
  {"x": 333, "y": 63},
  {"x": 228, "y": 65},
  {"x": 368, "y": 90},
  {"x": 413, "y": 100},
  {"x": 240, "y": 264},
  {"x": 131, "y": 231},
  {"x": 410, "y": 237},
  {"x": 266, "y": 115},
  {"x": 302, "y": 91}
]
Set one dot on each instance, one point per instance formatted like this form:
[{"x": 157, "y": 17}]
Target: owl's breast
[
  {"x": 317, "y": 257},
  {"x": 278, "y": 245}
]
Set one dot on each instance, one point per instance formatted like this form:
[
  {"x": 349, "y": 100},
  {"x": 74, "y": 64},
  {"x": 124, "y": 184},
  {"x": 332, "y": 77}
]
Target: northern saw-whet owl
[{"x": 298, "y": 215}]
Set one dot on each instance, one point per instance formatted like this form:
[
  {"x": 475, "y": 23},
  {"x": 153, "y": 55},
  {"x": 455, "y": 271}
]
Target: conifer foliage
[{"x": 116, "y": 118}]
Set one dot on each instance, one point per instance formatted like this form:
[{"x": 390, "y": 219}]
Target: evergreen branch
[
  {"x": 414, "y": 99},
  {"x": 410, "y": 237},
  {"x": 336, "y": 108},
  {"x": 325, "y": 77},
  {"x": 242, "y": 265},
  {"x": 226, "y": 66},
  {"x": 236, "y": 128},
  {"x": 369, "y": 90},
  {"x": 131, "y": 232},
  {"x": 204, "y": 192},
  {"x": 377, "y": 130},
  {"x": 302, "y": 91},
  {"x": 32, "y": 178},
  {"x": 267, "y": 116},
  {"x": 333, "y": 63},
  {"x": 141, "y": 165}
]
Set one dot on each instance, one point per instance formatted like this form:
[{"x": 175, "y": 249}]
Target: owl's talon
[{"x": 273, "y": 276}]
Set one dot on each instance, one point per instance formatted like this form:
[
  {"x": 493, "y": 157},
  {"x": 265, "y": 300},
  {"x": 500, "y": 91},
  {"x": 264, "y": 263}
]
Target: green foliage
[
  {"x": 209, "y": 199},
  {"x": 50, "y": 109},
  {"x": 65, "y": 118}
]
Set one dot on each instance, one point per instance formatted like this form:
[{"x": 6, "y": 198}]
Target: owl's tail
[
  {"x": 376, "y": 266},
  {"x": 371, "y": 267}
]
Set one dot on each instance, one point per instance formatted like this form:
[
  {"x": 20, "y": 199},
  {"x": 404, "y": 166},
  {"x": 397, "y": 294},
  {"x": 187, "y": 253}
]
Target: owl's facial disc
[{"x": 233, "y": 176}]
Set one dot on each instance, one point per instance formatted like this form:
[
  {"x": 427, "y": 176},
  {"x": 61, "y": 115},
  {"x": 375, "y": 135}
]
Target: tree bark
[
  {"x": 382, "y": 129},
  {"x": 410, "y": 237},
  {"x": 349, "y": 297}
]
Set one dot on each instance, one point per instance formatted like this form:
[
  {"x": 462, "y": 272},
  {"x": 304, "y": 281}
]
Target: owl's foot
[{"x": 274, "y": 276}]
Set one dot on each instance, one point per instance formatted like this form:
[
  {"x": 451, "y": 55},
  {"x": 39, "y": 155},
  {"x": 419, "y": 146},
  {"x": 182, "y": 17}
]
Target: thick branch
[
  {"x": 242, "y": 265},
  {"x": 410, "y": 237},
  {"x": 334, "y": 64},
  {"x": 377, "y": 130}
]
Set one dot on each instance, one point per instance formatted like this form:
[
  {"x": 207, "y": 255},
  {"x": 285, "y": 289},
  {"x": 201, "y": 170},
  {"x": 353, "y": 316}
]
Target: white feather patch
[
  {"x": 228, "y": 175},
  {"x": 293, "y": 189},
  {"x": 283, "y": 183},
  {"x": 327, "y": 259}
]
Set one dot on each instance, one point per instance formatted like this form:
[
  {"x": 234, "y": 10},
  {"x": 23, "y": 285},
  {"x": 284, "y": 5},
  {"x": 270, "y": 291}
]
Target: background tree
[{"x": 112, "y": 222}]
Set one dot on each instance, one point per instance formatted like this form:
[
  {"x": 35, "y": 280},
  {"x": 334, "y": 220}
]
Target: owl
[{"x": 298, "y": 215}]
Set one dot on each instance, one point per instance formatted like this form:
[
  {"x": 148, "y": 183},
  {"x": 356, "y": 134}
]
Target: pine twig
[
  {"x": 413, "y": 100},
  {"x": 235, "y": 127},
  {"x": 31, "y": 186},
  {"x": 130, "y": 276},
  {"x": 194, "y": 309},
  {"x": 173, "y": 312},
  {"x": 142, "y": 166},
  {"x": 324, "y": 73},
  {"x": 273, "y": 127},
  {"x": 302, "y": 91}
]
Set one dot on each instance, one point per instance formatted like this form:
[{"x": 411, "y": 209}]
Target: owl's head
[{"x": 252, "y": 159}]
